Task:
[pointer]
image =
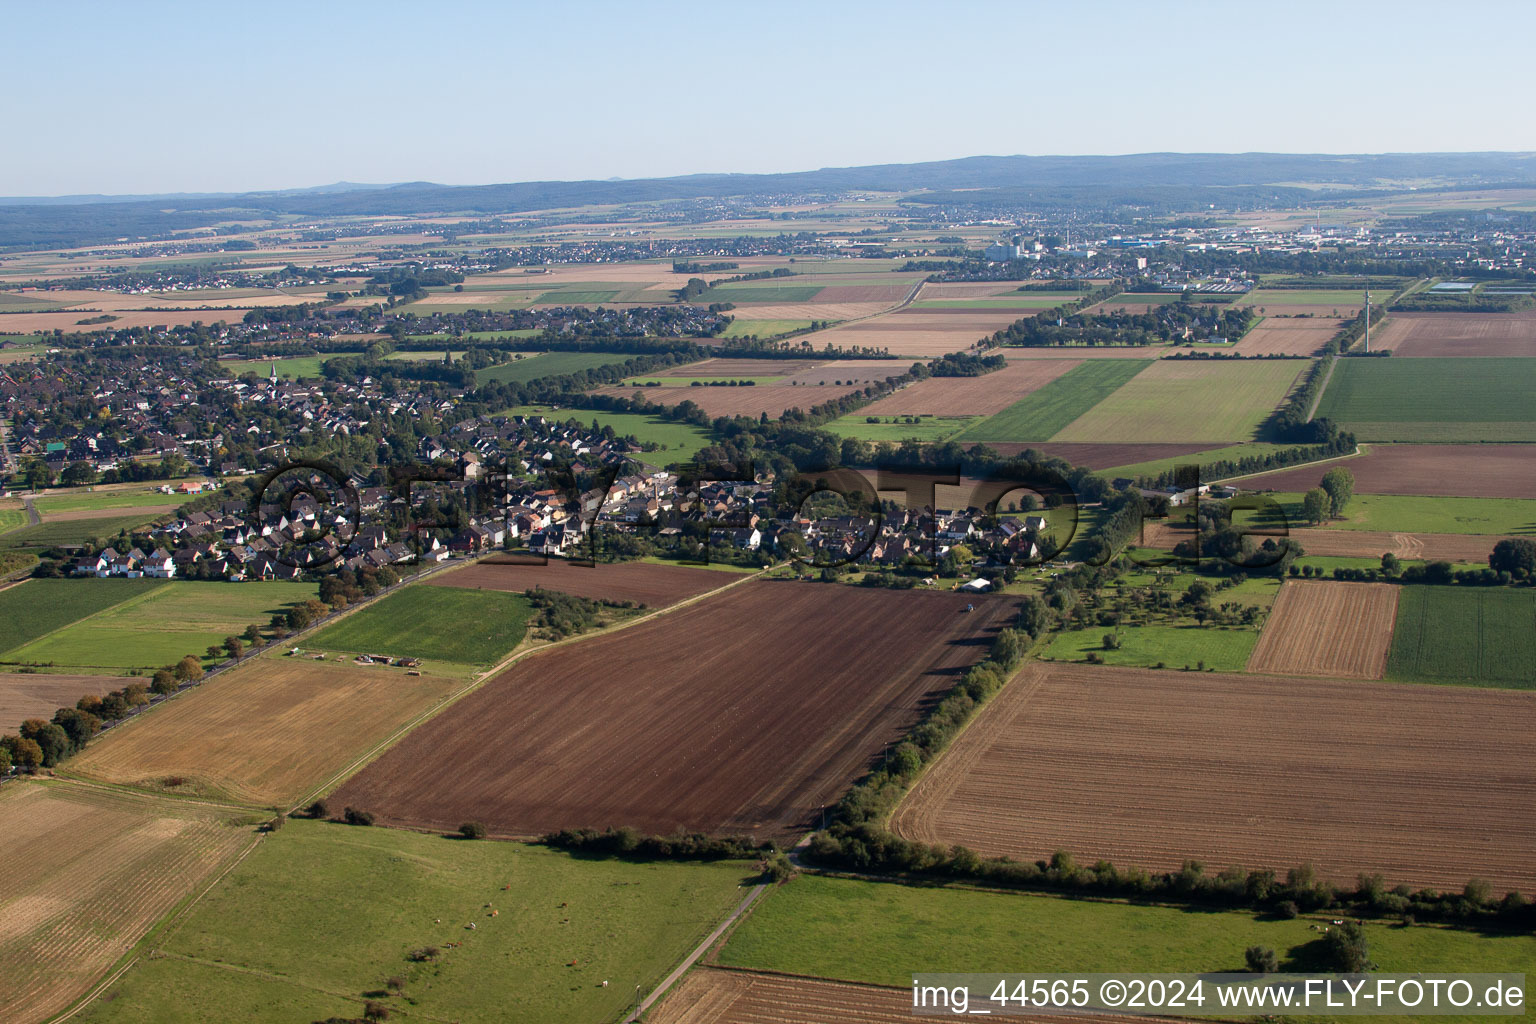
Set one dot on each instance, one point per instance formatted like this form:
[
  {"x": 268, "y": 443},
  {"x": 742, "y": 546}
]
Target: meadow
[
  {"x": 927, "y": 428},
  {"x": 292, "y": 367},
  {"x": 547, "y": 364},
  {"x": 562, "y": 928},
  {"x": 165, "y": 624},
  {"x": 1172, "y": 646},
  {"x": 1400, "y": 513},
  {"x": 1430, "y": 399},
  {"x": 676, "y": 442},
  {"x": 1176, "y": 401},
  {"x": 466, "y": 627},
  {"x": 1042, "y": 414},
  {"x": 874, "y": 932},
  {"x": 11, "y": 518},
  {"x": 80, "y": 500},
  {"x": 740, "y": 328},
  {"x": 1467, "y": 636},
  {"x": 1342, "y": 298},
  {"x": 74, "y": 531}
]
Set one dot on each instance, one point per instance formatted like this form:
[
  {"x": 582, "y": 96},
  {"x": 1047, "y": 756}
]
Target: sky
[{"x": 207, "y": 97}]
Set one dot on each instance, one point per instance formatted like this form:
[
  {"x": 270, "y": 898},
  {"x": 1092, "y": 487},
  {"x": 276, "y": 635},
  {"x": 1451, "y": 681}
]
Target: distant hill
[{"x": 1170, "y": 181}]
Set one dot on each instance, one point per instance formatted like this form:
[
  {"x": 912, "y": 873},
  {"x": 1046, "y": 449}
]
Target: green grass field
[
  {"x": 467, "y": 627},
  {"x": 1152, "y": 467},
  {"x": 1135, "y": 298},
  {"x": 1472, "y": 636},
  {"x": 1322, "y": 297},
  {"x": 1433, "y": 399},
  {"x": 292, "y": 367},
  {"x": 740, "y": 328},
  {"x": 547, "y": 364},
  {"x": 577, "y": 297},
  {"x": 1188, "y": 401},
  {"x": 74, "y": 531},
  {"x": 11, "y": 519},
  {"x": 322, "y": 914},
  {"x": 86, "y": 501},
  {"x": 1224, "y": 650},
  {"x": 1400, "y": 513},
  {"x": 162, "y": 625},
  {"x": 679, "y": 441},
  {"x": 928, "y": 428},
  {"x": 876, "y": 932},
  {"x": 424, "y": 355},
  {"x": 1041, "y": 414},
  {"x": 38, "y": 607}
]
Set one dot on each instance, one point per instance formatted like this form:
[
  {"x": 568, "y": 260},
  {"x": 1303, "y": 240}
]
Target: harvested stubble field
[
  {"x": 88, "y": 872},
  {"x": 1439, "y": 470},
  {"x": 922, "y": 332},
  {"x": 1449, "y": 547},
  {"x": 1149, "y": 768},
  {"x": 971, "y": 396},
  {"x": 850, "y": 371},
  {"x": 1044, "y": 412},
  {"x": 756, "y": 709},
  {"x": 809, "y": 310},
  {"x": 1288, "y": 336},
  {"x": 1192, "y": 400},
  {"x": 1320, "y": 628},
  {"x": 265, "y": 733},
  {"x": 1458, "y": 334},
  {"x": 772, "y": 399},
  {"x": 24, "y": 696},
  {"x": 655, "y": 586}
]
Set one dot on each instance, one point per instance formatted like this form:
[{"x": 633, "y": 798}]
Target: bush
[
  {"x": 1261, "y": 960},
  {"x": 276, "y": 823},
  {"x": 472, "y": 830},
  {"x": 318, "y": 809},
  {"x": 356, "y": 816}
]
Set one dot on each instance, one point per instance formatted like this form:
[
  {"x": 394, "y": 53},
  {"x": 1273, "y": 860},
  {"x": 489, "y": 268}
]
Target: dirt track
[
  {"x": 744, "y": 713},
  {"x": 1427, "y": 785},
  {"x": 1322, "y": 628}
]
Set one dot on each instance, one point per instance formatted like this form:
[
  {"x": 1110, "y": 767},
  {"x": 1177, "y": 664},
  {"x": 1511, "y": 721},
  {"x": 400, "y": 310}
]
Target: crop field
[
  {"x": 1191, "y": 455},
  {"x": 547, "y": 364},
  {"x": 986, "y": 395},
  {"x": 732, "y": 730},
  {"x": 35, "y": 695},
  {"x": 1451, "y": 635},
  {"x": 1399, "y": 513},
  {"x": 655, "y": 586},
  {"x": 767, "y": 292},
  {"x": 923, "y": 332},
  {"x": 447, "y": 623},
  {"x": 874, "y": 932},
  {"x": 36, "y": 608},
  {"x": 1134, "y": 302},
  {"x": 265, "y": 733},
  {"x": 1222, "y": 649},
  {"x": 77, "y": 530},
  {"x": 1149, "y": 768},
  {"x": 1045, "y": 412},
  {"x": 1433, "y": 399},
  {"x": 773, "y": 399},
  {"x": 1445, "y": 470},
  {"x": 710, "y": 996},
  {"x": 166, "y": 624},
  {"x": 1449, "y": 547},
  {"x": 1189, "y": 401},
  {"x": 1316, "y": 301},
  {"x": 1288, "y": 336},
  {"x": 677, "y": 442},
  {"x": 291, "y": 367},
  {"x": 1318, "y": 628},
  {"x": 562, "y": 927},
  {"x": 88, "y": 872},
  {"x": 848, "y": 371},
  {"x": 764, "y": 329},
  {"x": 1457, "y": 334}
]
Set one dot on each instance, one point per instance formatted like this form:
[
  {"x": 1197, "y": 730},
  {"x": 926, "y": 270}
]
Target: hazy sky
[{"x": 162, "y": 97}]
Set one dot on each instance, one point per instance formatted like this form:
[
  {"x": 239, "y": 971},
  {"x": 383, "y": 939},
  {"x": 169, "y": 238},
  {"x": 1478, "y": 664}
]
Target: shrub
[
  {"x": 356, "y": 816},
  {"x": 472, "y": 830},
  {"x": 318, "y": 809},
  {"x": 1261, "y": 960}
]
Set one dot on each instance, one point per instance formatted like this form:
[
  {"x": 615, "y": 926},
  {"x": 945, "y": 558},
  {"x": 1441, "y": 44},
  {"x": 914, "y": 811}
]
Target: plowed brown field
[
  {"x": 265, "y": 733},
  {"x": 1428, "y": 785},
  {"x": 655, "y": 586},
  {"x": 971, "y": 396},
  {"x": 1320, "y": 628},
  {"x": 712, "y": 996},
  {"x": 1451, "y": 470},
  {"x": 744, "y": 713},
  {"x": 24, "y": 696},
  {"x": 773, "y": 399},
  {"x": 87, "y": 872},
  {"x": 1458, "y": 334},
  {"x": 1288, "y": 337}
]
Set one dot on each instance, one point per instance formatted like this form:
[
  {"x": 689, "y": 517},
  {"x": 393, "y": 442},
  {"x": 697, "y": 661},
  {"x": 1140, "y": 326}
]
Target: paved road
[{"x": 692, "y": 958}]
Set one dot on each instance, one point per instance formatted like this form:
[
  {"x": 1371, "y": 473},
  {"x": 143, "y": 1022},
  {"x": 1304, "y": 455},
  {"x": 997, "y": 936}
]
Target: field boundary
[{"x": 491, "y": 673}]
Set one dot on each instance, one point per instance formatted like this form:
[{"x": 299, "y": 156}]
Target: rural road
[{"x": 693, "y": 958}]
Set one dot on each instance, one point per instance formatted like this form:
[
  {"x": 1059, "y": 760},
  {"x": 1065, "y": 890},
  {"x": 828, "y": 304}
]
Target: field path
[{"x": 698, "y": 951}]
